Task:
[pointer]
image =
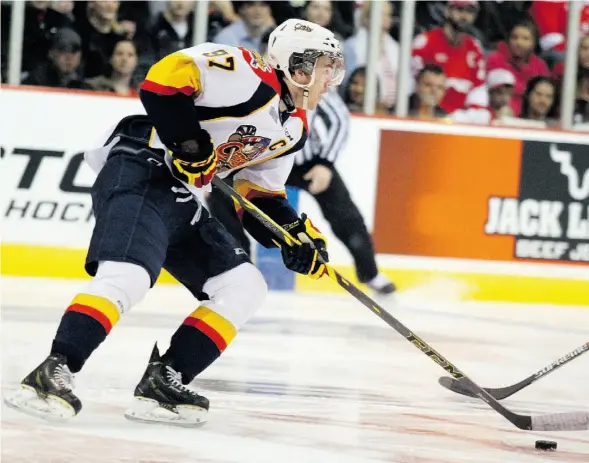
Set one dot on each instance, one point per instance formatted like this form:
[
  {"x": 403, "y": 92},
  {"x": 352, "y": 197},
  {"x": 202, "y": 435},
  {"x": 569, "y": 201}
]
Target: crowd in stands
[{"x": 487, "y": 62}]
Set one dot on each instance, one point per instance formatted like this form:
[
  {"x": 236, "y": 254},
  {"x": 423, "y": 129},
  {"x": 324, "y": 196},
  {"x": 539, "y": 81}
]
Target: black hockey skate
[
  {"x": 47, "y": 391},
  {"x": 160, "y": 397}
]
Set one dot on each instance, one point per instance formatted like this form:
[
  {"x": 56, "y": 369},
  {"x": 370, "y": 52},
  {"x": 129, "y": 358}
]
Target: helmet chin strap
[
  {"x": 305, "y": 98},
  {"x": 304, "y": 87}
]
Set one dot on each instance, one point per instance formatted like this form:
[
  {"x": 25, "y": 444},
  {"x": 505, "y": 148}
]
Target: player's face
[
  {"x": 328, "y": 72},
  {"x": 431, "y": 88},
  {"x": 584, "y": 53},
  {"x": 521, "y": 42},
  {"x": 500, "y": 96},
  {"x": 541, "y": 98},
  {"x": 124, "y": 58},
  {"x": 319, "y": 12}
]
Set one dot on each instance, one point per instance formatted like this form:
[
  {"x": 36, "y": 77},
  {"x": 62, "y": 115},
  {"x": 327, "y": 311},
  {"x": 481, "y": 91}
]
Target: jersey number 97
[{"x": 228, "y": 65}]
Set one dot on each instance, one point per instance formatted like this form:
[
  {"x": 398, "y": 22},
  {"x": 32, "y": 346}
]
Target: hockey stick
[
  {"x": 554, "y": 422},
  {"x": 504, "y": 392}
]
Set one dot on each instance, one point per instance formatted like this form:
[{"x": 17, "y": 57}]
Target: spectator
[
  {"x": 319, "y": 12},
  {"x": 458, "y": 54},
  {"x": 517, "y": 56},
  {"x": 354, "y": 90},
  {"x": 41, "y": 23},
  {"x": 430, "y": 89},
  {"x": 324, "y": 13},
  {"x": 583, "y": 62},
  {"x": 225, "y": 8},
  {"x": 256, "y": 19},
  {"x": 65, "y": 7},
  {"x": 172, "y": 30},
  {"x": 501, "y": 83},
  {"x": 122, "y": 63},
  {"x": 538, "y": 101},
  {"x": 496, "y": 19},
  {"x": 221, "y": 14},
  {"x": 100, "y": 31},
  {"x": 135, "y": 18},
  {"x": 551, "y": 18},
  {"x": 353, "y": 93},
  {"x": 581, "y": 114},
  {"x": 62, "y": 68},
  {"x": 356, "y": 53}
]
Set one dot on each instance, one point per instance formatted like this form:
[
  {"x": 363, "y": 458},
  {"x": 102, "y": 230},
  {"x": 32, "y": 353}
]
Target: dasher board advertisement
[{"x": 446, "y": 195}]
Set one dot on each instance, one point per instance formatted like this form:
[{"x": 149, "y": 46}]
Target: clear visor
[
  {"x": 322, "y": 66},
  {"x": 330, "y": 68}
]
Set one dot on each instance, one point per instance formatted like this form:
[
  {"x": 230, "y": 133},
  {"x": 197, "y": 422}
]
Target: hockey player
[
  {"x": 211, "y": 110},
  {"x": 314, "y": 171}
]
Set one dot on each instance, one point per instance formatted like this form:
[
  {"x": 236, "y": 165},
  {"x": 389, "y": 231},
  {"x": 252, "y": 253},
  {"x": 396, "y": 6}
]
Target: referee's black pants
[{"x": 337, "y": 207}]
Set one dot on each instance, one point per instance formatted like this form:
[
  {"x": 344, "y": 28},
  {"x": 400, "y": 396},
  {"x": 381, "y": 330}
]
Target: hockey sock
[
  {"x": 199, "y": 342},
  {"x": 84, "y": 325}
]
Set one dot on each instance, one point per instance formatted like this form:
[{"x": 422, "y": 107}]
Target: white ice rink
[{"x": 309, "y": 379}]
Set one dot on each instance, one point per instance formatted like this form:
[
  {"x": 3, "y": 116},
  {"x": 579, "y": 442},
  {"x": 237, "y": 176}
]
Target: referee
[{"x": 314, "y": 172}]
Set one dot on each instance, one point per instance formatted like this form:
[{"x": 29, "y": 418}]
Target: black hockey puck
[{"x": 545, "y": 445}]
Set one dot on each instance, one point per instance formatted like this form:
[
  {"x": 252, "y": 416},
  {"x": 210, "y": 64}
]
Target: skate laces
[
  {"x": 175, "y": 379},
  {"x": 64, "y": 377}
]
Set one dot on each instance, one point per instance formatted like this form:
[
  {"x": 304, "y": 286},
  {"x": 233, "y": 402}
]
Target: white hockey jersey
[{"x": 237, "y": 98}]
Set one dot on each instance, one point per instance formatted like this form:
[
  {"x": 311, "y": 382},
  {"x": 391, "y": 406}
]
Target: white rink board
[{"x": 70, "y": 123}]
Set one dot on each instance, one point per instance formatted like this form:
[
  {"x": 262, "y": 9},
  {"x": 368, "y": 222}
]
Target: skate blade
[
  {"x": 149, "y": 411},
  {"x": 50, "y": 408}
]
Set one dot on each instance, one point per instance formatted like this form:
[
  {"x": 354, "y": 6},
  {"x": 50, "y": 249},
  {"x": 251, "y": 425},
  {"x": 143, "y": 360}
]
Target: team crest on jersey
[
  {"x": 241, "y": 147},
  {"x": 257, "y": 62}
]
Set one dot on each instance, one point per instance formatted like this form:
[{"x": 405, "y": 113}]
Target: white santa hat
[{"x": 499, "y": 77}]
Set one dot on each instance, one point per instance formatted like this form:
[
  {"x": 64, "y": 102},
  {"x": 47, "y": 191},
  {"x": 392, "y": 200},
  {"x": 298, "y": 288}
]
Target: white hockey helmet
[{"x": 298, "y": 44}]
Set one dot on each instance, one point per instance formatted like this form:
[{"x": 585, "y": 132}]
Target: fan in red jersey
[
  {"x": 457, "y": 53},
  {"x": 551, "y": 18}
]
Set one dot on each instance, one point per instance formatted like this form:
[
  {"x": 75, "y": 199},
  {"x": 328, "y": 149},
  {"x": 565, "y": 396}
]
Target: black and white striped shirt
[{"x": 328, "y": 126}]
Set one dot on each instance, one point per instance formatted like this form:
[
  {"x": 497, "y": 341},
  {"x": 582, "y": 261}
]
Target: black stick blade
[
  {"x": 455, "y": 386},
  {"x": 499, "y": 393}
]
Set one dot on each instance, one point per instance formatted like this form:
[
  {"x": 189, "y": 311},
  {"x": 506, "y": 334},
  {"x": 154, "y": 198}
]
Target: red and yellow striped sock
[
  {"x": 99, "y": 308},
  {"x": 84, "y": 325},
  {"x": 199, "y": 341},
  {"x": 215, "y": 326}
]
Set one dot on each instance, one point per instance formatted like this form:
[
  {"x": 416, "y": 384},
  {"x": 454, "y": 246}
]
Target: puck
[{"x": 545, "y": 445}]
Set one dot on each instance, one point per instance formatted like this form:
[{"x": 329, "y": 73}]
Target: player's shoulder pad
[
  {"x": 204, "y": 52},
  {"x": 224, "y": 67},
  {"x": 261, "y": 68}
]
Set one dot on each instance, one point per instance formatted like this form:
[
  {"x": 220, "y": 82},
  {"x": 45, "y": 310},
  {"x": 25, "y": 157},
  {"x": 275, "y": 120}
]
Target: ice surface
[{"x": 311, "y": 378}]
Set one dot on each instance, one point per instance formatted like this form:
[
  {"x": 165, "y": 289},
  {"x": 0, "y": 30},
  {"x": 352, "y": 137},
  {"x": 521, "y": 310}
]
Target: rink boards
[{"x": 475, "y": 212}]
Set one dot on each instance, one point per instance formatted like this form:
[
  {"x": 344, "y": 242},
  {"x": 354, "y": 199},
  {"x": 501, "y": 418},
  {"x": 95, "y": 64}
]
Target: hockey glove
[
  {"x": 304, "y": 258},
  {"x": 195, "y": 161}
]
